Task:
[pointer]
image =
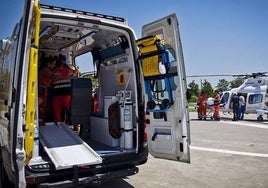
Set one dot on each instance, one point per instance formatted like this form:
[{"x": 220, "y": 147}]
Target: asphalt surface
[{"x": 223, "y": 154}]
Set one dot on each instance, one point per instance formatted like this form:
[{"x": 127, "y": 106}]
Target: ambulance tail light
[
  {"x": 31, "y": 181},
  {"x": 146, "y": 121}
]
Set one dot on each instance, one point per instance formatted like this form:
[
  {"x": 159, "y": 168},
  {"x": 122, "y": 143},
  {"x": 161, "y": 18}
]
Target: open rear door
[{"x": 168, "y": 131}]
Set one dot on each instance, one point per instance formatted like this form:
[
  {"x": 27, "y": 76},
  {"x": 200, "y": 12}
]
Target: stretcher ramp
[{"x": 65, "y": 148}]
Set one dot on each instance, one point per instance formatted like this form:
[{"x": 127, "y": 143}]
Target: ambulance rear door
[
  {"x": 168, "y": 132},
  {"x": 20, "y": 130}
]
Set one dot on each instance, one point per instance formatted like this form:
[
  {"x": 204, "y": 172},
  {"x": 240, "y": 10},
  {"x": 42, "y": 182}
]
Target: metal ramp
[{"x": 65, "y": 148}]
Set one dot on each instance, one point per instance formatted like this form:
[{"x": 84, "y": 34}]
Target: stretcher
[
  {"x": 155, "y": 64},
  {"x": 210, "y": 110}
]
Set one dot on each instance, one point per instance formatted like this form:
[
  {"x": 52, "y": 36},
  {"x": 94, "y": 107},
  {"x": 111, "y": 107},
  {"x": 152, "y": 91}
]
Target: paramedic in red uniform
[
  {"x": 202, "y": 101},
  {"x": 217, "y": 99},
  {"x": 44, "y": 81},
  {"x": 61, "y": 84}
]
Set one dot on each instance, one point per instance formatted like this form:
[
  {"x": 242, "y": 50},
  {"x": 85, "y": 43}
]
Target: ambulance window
[
  {"x": 87, "y": 69},
  {"x": 85, "y": 63}
]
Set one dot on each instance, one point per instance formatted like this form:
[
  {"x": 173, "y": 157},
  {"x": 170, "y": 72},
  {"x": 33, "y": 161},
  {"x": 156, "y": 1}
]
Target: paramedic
[
  {"x": 69, "y": 65},
  {"x": 242, "y": 107},
  {"x": 216, "y": 105},
  {"x": 61, "y": 85},
  {"x": 44, "y": 81},
  {"x": 202, "y": 101},
  {"x": 235, "y": 106}
]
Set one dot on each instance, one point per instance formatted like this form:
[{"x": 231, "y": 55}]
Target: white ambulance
[{"x": 131, "y": 101}]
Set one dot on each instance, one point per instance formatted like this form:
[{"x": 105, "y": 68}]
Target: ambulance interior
[{"x": 109, "y": 79}]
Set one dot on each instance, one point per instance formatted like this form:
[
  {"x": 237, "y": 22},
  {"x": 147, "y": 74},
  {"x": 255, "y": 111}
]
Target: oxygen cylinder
[
  {"x": 128, "y": 125},
  {"x": 122, "y": 126},
  {"x": 126, "y": 122}
]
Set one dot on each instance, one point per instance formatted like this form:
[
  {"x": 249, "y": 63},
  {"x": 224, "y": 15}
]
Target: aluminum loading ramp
[{"x": 65, "y": 148}]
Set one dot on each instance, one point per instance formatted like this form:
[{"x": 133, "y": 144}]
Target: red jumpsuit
[
  {"x": 217, "y": 105},
  {"x": 44, "y": 81},
  {"x": 202, "y": 101},
  {"x": 61, "y": 94}
]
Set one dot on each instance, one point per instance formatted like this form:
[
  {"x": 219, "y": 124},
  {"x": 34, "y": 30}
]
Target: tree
[
  {"x": 207, "y": 88},
  {"x": 223, "y": 85},
  {"x": 237, "y": 82},
  {"x": 194, "y": 88}
]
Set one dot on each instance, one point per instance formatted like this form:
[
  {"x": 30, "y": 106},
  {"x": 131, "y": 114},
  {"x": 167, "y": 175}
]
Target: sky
[{"x": 218, "y": 36}]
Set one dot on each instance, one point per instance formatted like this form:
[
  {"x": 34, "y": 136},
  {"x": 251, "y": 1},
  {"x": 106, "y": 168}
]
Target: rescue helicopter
[{"x": 254, "y": 89}]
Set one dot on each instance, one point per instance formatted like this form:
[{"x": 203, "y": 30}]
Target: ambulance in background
[{"x": 140, "y": 105}]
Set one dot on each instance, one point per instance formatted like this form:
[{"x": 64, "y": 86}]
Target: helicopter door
[
  {"x": 165, "y": 85},
  {"x": 254, "y": 102}
]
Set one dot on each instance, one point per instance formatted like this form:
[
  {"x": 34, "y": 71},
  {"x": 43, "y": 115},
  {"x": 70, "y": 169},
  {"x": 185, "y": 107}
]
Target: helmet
[{"x": 234, "y": 93}]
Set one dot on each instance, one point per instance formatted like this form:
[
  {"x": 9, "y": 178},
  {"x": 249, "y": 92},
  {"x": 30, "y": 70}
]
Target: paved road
[{"x": 223, "y": 154}]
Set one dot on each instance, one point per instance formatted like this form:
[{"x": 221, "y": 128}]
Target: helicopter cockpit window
[
  {"x": 255, "y": 98},
  {"x": 224, "y": 98}
]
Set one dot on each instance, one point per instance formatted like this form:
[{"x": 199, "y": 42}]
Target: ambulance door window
[
  {"x": 88, "y": 69},
  {"x": 85, "y": 63}
]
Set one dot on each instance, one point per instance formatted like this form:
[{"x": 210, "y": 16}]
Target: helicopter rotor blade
[{"x": 243, "y": 76}]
